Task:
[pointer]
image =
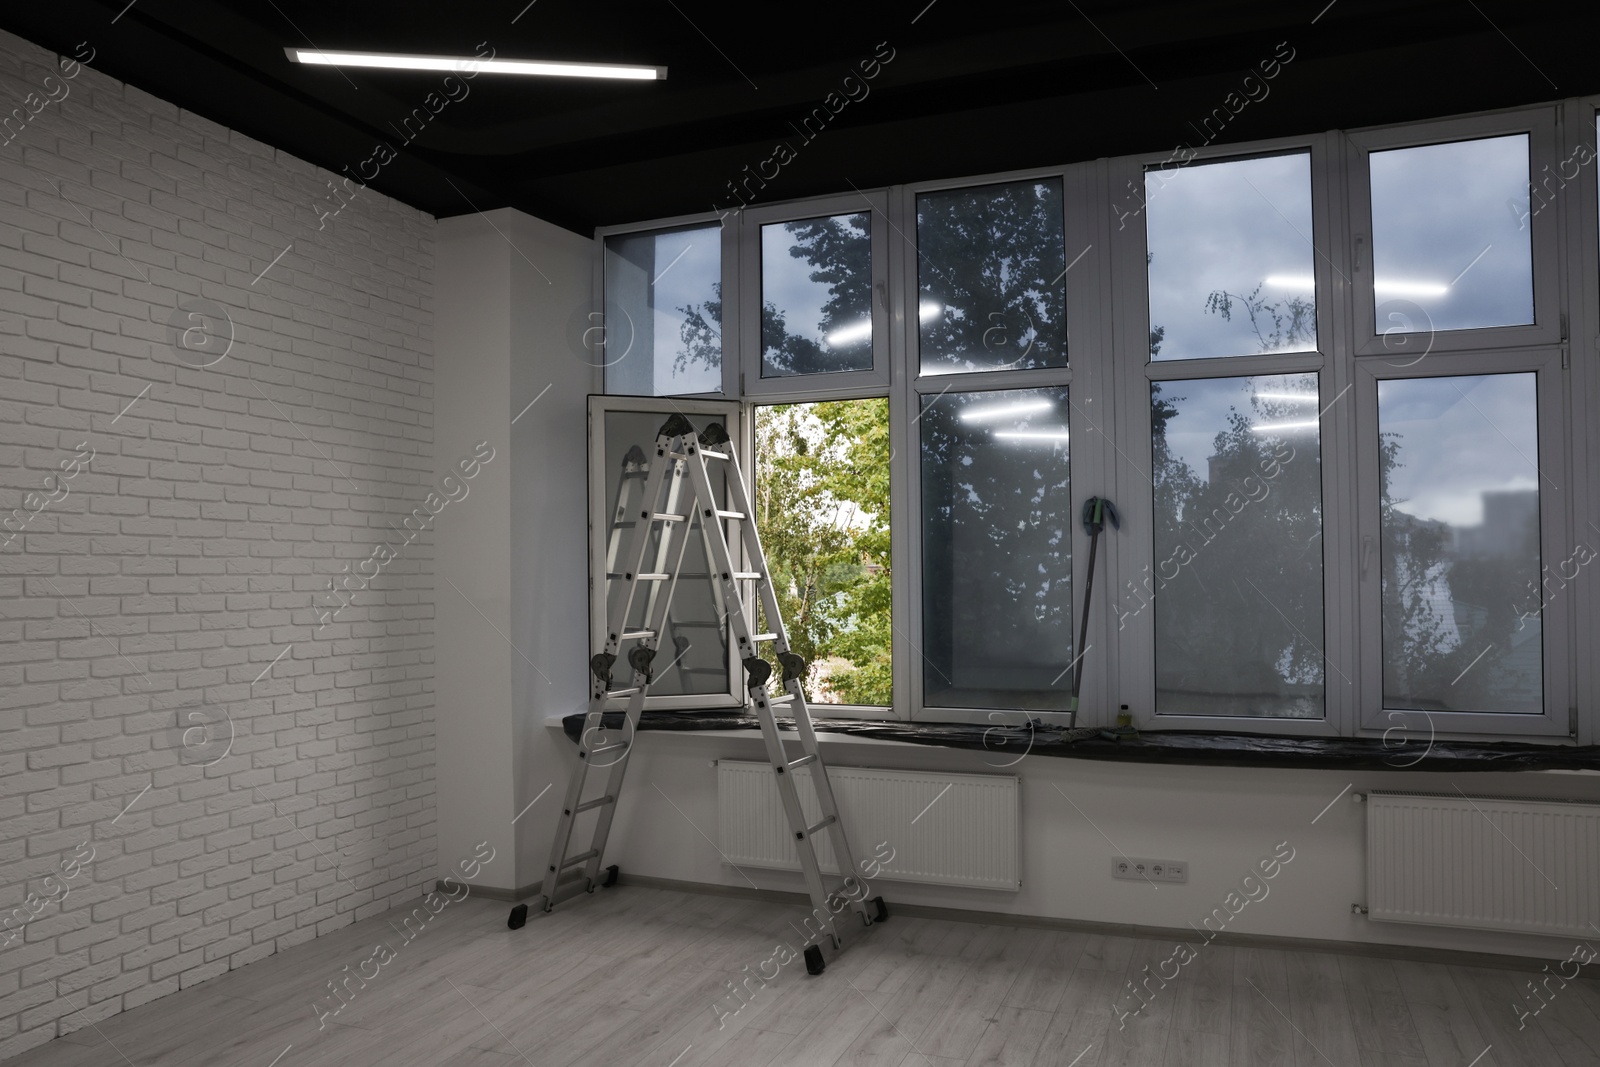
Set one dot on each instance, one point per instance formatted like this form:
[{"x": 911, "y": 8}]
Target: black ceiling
[{"x": 973, "y": 87}]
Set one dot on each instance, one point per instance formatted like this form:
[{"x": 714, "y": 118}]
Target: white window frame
[
  {"x": 830, "y": 385},
  {"x": 730, "y": 290},
  {"x": 1540, "y": 126},
  {"x": 700, "y": 411},
  {"x": 1085, "y": 454},
  {"x": 1109, "y": 374},
  {"x": 1136, "y": 371},
  {"x": 1556, "y": 538}
]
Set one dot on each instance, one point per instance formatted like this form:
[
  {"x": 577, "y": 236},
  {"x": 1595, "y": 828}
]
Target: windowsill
[{"x": 1204, "y": 749}]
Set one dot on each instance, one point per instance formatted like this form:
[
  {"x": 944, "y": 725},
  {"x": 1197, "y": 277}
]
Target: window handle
[
  {"x": 1366, "y": 555},
  {"x": 882, "y": 289}
]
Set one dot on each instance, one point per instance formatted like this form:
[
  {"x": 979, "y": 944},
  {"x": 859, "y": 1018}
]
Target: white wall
[
  {"x": 1222, "y": 820},
  {"x": 178, "y": 574},
  {"x": 509, "y": 285}
]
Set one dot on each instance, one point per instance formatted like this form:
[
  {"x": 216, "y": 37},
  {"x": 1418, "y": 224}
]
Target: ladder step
[
  {"x": 608, "y": 748},
  {"x": 803, "y": 761},
  {"x": 787, "y": 698},
  {"x": 662, "y": 516},
  {"x": 618, "y": 694},
  {"x": 575, "y": 860},
  {"x": 730, "y": 514},
  {"x": 596, "y": 803},
  {"x": 629, "y": 635},
  {"x": 763, "y": 637},
  {"x": 706, "y": 452},
  {"x": 829, "y": 821},
  {"x": 653, "y": 576},
  {"x": 744, "y": 575}
]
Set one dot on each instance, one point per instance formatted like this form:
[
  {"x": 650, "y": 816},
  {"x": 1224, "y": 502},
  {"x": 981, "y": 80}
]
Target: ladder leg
[{"x": 759, "y": 671}]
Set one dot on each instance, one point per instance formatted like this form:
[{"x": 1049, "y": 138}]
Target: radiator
[
  {"x": 1490, "y": 863},
  {"x": 949, "y": 829}
]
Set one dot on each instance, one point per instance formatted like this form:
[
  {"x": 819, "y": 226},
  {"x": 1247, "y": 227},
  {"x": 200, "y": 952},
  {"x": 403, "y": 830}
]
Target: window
[
  {"x": 991, "y": 269},
  {"x": 1460, "y": 479},
  {"x": 693, "y": 665},
  {"x": 1449, "y": 250},
  {"x": 663, "y": 312},
  {"x": 1236, "y": 586},
  {"x": 997, "y": 528},
  {"x": 1325, "y": 379},
  {"x": 1230, "y": 262},
  {"x": 822, "y": 510},
  {"x": 816, "y": 295}
]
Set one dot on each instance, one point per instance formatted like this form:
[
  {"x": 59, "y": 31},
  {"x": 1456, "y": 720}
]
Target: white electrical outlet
[{"x": 1134, "y": 869}]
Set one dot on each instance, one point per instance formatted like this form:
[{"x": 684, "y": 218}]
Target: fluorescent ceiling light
[
  {"x": 860, "y": 331},
  {"x": 1277, "y": 427},
  {"x": 463, "y": 64},
  {"x": 1000, "y": 411},
  {"x": 1308, "y": 397},
  {"x": 1054, "y": 433}
]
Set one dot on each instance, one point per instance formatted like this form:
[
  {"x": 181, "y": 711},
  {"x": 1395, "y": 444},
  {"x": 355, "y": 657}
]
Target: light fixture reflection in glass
[
  {"x": 1280, "y": 427},
  {"x": 1049, "y": 433},
  {"x": 1000, "y": 411},
  {"x": 1380, "y": 285},
  {"x": 861, "y": 331}
]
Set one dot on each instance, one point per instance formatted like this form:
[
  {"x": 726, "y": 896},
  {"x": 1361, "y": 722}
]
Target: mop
[{"x": 1097, "y": 511}]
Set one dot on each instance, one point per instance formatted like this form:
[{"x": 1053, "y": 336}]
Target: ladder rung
[
  {"x": 729, "y": 514},
  {"x": 617, "y": 694},
  {"x": 629, "y": 635},
  {"x": 763, "y": 637},
  {"x": 803, "y": 760},
  {"x": 596, "y": 803},
  {"x": 662, "y": 516},
  {"x": 787, "y": 698},
  {"x": 575, "y": 860},
  {"x": 813, "y": 829},
  {"x": 744, "y": 575},
  {"x": 653, "y": 576},
  {"x": 608, "y": 748},
  {"x": 706, "y": 452}
]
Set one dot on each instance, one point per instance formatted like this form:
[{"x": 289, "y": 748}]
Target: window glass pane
[
  {"x": 991, "y": 270},
  {"x": 1236, "y": 582},
  {"x": 692, "y": 655},
  {"x": 1450, "y": 237},
  {"x": 997, "y": 550},
  {"x": 822, "y": 509},
  {"x": 816, "y": 296},
  {"x": 663, "y": 312},
  {"x": 1231, "y": 266},
  {"x": 1461, "y": 570}
]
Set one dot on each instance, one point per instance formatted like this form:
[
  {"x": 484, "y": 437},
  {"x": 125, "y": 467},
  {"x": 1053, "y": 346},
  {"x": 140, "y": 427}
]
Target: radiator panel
[
  {"x": 947, "y": 829},
  {"x": 1488, "y": 863}
]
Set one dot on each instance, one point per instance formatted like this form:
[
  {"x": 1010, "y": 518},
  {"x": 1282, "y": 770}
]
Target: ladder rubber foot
[
  {"x": 814, "y": 961},
  {"x": 611, "y": 877},
  {"x": 519, "y": 916},
  {"x": 880, "y": 909}
]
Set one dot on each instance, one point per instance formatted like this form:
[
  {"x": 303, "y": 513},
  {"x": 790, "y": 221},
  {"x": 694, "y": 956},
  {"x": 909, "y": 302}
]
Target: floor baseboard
[{"x": 1454, "y": 957}]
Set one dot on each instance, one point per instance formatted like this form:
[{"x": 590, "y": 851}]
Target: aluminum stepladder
[{"x": 680, "y": 456}]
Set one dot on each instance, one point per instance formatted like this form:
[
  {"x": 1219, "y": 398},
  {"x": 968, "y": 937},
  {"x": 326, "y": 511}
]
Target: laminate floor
[{"x": 636, "y": 977}]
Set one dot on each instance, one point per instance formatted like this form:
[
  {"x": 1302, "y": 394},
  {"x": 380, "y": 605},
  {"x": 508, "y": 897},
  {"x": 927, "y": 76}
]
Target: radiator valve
[{"x": 1358, "y": 909}]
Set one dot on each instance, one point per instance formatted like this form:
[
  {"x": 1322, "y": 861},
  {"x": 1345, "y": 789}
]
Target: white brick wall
[{"x": 188, "y": 553}]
